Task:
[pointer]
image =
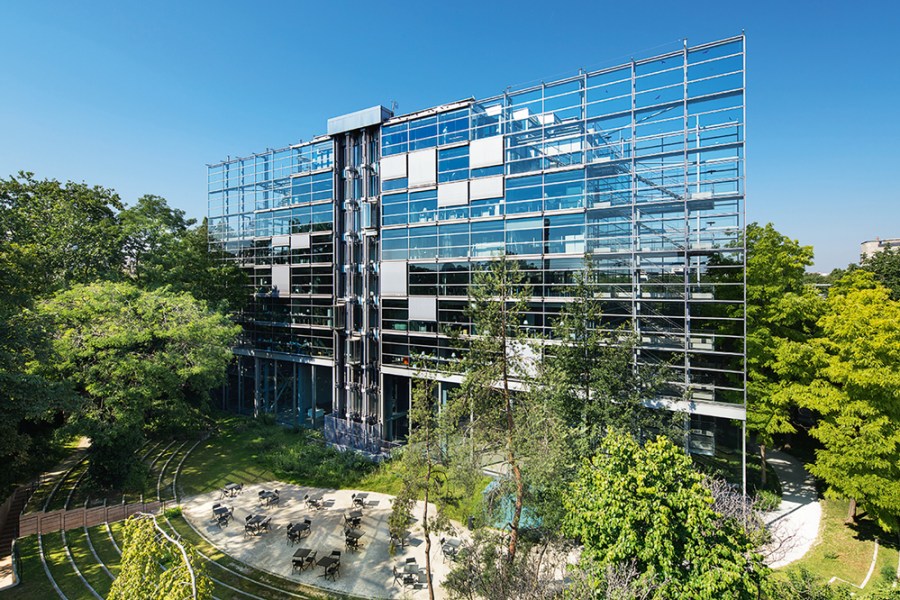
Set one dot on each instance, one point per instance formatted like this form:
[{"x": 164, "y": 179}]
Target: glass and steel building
[{"x": 361, "y": 243}]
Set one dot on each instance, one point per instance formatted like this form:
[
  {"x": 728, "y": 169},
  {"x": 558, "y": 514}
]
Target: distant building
[
  {"x": 361, "y": 244},
  {"x": 870, "y": 247}
]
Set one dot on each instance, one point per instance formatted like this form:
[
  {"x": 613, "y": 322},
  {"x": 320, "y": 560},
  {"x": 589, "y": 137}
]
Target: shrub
[{"x": 766, "y": 500}]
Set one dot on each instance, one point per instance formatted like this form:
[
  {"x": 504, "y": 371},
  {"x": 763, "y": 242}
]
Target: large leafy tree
[
  {"x": 646, "y": 508},
  {"x": 885, "y": 265},
  {"x": 853, "y": 382},
  {"x": 163, "y": 248},
  {"x": 206, "y": 270},
  {"x": 781, "y": 309},
  {"x": 151, "y": 230},
  {"x": 51, "y": 235},
  {"x": 65, "y": 233},
  {"x": 156, "y": 566},
  {"x": 137, "y": 358}
]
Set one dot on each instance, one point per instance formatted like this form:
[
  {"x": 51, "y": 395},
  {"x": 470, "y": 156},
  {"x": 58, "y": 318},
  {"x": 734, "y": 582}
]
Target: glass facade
[{"x": 640, "y": 165}]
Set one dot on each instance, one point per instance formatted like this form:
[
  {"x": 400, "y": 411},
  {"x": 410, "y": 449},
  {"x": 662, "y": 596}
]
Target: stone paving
[{"x": 364, "y": 573}]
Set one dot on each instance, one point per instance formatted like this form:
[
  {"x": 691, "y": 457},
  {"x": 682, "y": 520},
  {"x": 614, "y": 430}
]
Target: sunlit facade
[{"x": 361, "y": 244}]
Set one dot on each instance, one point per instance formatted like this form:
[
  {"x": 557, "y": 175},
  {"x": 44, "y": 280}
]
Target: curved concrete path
[{"x": 795, "y": 524}]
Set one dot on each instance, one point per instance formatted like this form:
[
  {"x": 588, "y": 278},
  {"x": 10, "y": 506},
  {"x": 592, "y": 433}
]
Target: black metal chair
[{"x": 332, "y": 571}]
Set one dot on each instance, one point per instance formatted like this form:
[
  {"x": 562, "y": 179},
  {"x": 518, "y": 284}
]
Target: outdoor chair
[
  {"x": 249, "y": 529},
  {"x": 310, "y": 561},
  {"x": 332, "y": 571},
  {"x": 264, "y": 526},
  {"x": 336, "y": 554}
]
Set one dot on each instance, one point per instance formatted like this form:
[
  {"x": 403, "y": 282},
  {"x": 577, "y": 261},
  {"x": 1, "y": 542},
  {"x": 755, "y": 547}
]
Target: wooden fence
[{"x": 56, "y": 520}]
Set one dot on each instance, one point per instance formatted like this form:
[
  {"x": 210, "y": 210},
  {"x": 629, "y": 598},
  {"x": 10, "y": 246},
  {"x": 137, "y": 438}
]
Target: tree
[
  {"x": 499, "y": 352},
  {"x": 422, "y": 468},
  {"x": 592, "y": 376},
  {"x": 885, "y": 266},
  {"x": 853, "y": 382},
  {"x": 647, "y": 507},
  {"x": 136, "y": 358},
  {"x": 151, "y": 231},
  {"x": 781, "y": 309},
  {"x": 66, "y": 234},
  {"x": 163, "y": 249},
  {"x": 201, "y": 266},
  {"x": 483, "y": 570},
  {"x": 155, "y": 566}
]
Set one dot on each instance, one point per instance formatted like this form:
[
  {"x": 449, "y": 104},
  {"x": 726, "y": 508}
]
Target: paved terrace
[{"x": 364, "y": 573}]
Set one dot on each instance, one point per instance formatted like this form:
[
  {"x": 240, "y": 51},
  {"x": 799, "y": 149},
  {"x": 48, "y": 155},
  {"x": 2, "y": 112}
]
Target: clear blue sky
[{"x": 140, "y": 96}]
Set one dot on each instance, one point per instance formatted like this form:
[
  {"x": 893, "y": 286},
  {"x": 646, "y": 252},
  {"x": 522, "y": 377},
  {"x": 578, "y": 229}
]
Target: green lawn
[
  {"x": 846, "y": 552},
  {"x": 34, "y": 583}
]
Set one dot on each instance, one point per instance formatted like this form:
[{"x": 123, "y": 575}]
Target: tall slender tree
[
  {"x": 500, "y": 359},
  {"x": 593, "y": 377},
  {"x": 423, "y": 467}
]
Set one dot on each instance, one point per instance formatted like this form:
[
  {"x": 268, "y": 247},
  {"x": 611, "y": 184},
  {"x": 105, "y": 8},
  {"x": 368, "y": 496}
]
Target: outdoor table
[
  {"x": 232, "y": 489},
  {"x": 360, "y": 499},
  {"x": 300, "y": 527},
  {"x": 451, "y": 547},
  {"x": 303, "y": 556},
  {"x": 255, "y": 520},
  {"x": 269, "y": 496},
  {"x": 355, "y": 514},
  {"x": 352, "y": 538},
  {"x": 220, "y": 510},
  {"x": 327, "y": 561}
]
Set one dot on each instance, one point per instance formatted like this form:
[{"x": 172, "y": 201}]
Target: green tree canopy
[
  {"x": 852, "y": 380},
  {"x": 60, "y": 234},
  {"x": 135, "y": 357},
  {"x": 781, "y": 309},
  {"x": 885, "y": 266},
  {"x": 162, "y": 248},
  {"x": 157, "y": 567},
  {"x": 646, "y": 507}
]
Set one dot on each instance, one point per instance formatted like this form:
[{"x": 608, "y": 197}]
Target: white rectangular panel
[
  {"x": 393, "y": 278},
  {"x": 281, "y": 279},
  {"x": 280, "y": 240},
  {"x": 486, "y": 187},
  {"x": 486, "y": 152},
  {"x": 393, "y": 167},
  {"x": 422, "y": 167},
  {"x": 453, "y": 194},
  {"x": 422, "y": 308},
  {"x": 300, "y": 240}
]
